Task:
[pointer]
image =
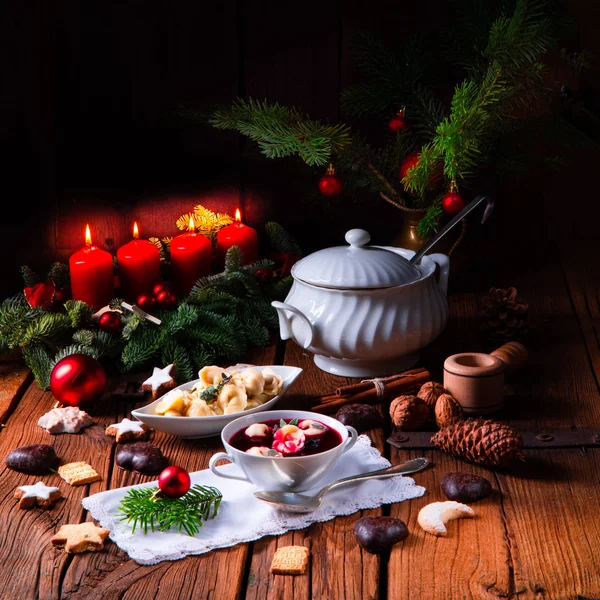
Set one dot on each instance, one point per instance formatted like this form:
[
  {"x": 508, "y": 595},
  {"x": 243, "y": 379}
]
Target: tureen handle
[
  {"x": 444, "y": 263},
  {"x": 285, "y": 323}
]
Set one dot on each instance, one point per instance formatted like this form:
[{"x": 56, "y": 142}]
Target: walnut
[
  {"x": 409, "y": 412},
  {"x": 447, "y": 411},
  {"x": 430, "y": 392}
]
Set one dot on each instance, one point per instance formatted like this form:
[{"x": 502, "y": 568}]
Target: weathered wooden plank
[
  {"x": 552, "y": 516},
  {"x": 471, "y": 562},
  {"x": 338, "y": 568},
  {"x": 218, "y": 574},
  {"x": 15, "y": 377}
]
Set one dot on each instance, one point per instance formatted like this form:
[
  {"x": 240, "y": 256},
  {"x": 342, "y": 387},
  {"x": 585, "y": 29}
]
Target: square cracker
[
  {"x": 290, "y": 560},
  {"x": 78, "y": 473}
]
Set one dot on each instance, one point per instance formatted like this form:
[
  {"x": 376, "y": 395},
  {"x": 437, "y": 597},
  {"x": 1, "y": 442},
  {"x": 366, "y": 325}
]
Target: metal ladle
[{"x": 459, "y": 217}]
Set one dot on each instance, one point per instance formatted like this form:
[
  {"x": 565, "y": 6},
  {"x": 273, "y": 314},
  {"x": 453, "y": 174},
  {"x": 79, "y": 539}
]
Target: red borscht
[{"x": 286, "y": 437}]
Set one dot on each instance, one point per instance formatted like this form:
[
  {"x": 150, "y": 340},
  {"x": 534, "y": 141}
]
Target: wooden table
[{"x": 537, "y": 536}]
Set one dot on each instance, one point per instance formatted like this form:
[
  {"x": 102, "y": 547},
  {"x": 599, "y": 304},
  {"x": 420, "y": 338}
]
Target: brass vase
[{"x": 408, "y": 237}]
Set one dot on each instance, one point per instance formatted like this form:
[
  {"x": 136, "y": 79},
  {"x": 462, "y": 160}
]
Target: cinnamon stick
[
  {"x": 356, "y": 388},
  {"x": 407, "y": 385}
]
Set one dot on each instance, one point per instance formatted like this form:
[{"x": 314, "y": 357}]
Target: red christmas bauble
[
  {"x": 145, "y": 302},
  {"x": 174, "y": 482},
  {"x": 110, "y": 321},
  {"x": 60, "y": 297},
  {"x": 166, "y": 299},
  {"x": 411, "y": 160},
  {"x": 330, "y": 184},
  {"x": 263, "y": 275},
  {"x": 77, "y": 379},
  {"x": 159, "y": 287},
  {"x": 452, "y": 203},
  {"x": 398, "y": 123}
]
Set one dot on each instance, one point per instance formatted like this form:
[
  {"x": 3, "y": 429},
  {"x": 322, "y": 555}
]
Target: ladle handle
[
  {"x": 512, "y": 354},
  {"x": 459, "y": 217}
]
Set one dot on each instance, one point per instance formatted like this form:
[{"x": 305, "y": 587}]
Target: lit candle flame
[
  {"x": 238, "y": 215},
  {"x": 136, "y": 231},
  {"x": 88, "y": 235},
  {"x": 191, "y": 225}
]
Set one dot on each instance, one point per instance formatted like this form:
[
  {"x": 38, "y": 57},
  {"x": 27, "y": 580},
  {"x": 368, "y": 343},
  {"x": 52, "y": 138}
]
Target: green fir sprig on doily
[{"x": 146, "y": 509}]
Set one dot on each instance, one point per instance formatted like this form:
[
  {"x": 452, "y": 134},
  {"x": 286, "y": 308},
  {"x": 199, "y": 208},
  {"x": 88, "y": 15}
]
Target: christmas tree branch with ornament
[{"x": 435, "y": 149}]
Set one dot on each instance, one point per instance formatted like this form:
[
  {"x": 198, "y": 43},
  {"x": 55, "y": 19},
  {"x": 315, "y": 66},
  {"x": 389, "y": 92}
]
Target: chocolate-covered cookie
[
  {"x": 141, "y": 457},
  {"x": 465, "y": 487},
  {"x": 360, "y": 416},
  {"x": 379, "y": 534},
  {"x": 35, "y": 459}
]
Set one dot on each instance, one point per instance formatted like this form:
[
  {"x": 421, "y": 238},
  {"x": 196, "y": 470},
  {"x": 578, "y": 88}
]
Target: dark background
[{"x": 89, "y": 130}]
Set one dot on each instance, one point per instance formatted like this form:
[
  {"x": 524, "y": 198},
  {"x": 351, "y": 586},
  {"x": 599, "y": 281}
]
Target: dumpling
[
  {"x": 173, "y": 401},
  {"x": 199, "y": 408},
  {"x": 232, "y": 399},
  {"x": 273, "y": 382},
  {"x": 210, "y": 375},
  {"x": 254, "y": 382}
]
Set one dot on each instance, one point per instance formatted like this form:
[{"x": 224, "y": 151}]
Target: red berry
[
  {"x": 145, "y": 302},
  {"x": 159, "y": 287},
  {"x": 174, "y": 482},
  {"x": 452, "y": 203},
  {"x": 166, "y": 299},
  {"x": 110, "y": 322}
]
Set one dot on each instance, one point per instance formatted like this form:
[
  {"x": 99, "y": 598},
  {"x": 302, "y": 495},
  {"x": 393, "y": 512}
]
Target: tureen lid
[{"x": 356, "y": 266}]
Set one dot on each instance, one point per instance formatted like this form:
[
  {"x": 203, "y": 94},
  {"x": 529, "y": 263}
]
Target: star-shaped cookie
[
  {"x": 128, "y": 430},
  {"x": 83, "y": 537},
  {"x": 160, "y": 381},
  {"x": 37, "y": 495}
]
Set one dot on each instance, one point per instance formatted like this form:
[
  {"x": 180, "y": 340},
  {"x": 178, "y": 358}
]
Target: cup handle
[
  {"x": 353, "y": 437},
  {"x": 213, "y": 462}
]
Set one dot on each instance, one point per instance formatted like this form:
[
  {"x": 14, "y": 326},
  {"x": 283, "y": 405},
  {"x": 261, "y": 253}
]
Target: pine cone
[
  {"x": 408, "y": 413},
  {"x": 447, "y": 411},
  {"x": 504, "y": 316},
  {"x": 482, "y": 441}
]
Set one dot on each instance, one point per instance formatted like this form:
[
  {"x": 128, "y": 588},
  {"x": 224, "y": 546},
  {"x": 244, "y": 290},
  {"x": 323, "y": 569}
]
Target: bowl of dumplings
[{"x": 202, "y": 407}]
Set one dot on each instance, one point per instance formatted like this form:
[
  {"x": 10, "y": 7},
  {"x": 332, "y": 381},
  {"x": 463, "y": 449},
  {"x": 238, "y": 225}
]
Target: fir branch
[
  {"x": 147, "y": 509},
  {"x": 233, "y": 260},
  {"x": 161, "y": 249},
  {"x": 280, "y": 131},
  {"x": 47, "y": 326},
  {"x": 429, "y": 223},
  {"x": 38, "y": 359},
  {"x": 85, "y": 337},
  {"x": 30, "y": 277},
  {"x": 59, "y": 273},
  {"x": 79, "y": 312},
  {"x": 280, "y": 240}
]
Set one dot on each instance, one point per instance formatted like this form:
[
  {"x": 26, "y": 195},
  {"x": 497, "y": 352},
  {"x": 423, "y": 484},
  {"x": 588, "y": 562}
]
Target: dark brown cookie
[
  {"x": 36, "y": 459},
  {"x": 141, "y": 457},
  {"x": 360, "y": 416}
]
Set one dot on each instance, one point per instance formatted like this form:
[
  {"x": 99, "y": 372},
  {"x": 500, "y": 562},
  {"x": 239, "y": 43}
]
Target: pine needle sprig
[{"x": 145, "y": 509}]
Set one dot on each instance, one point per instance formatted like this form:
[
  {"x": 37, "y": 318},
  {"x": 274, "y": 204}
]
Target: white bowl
[{"x": 201, "y": 427}]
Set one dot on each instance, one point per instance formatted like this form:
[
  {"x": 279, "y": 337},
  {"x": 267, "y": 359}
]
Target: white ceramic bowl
[
  {"x": 282, "y": 473},
  {"x": 201, "y": 427}
]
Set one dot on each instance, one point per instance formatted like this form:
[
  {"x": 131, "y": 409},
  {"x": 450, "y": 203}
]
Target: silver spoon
[
  {"x": 301, "y": 503},
  {"x": 459, "y": 217}
]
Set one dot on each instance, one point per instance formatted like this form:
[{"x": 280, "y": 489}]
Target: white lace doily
[{"x": 243, "y": 518}]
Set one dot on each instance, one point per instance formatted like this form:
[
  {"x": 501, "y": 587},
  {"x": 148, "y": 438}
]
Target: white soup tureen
[{"x": 365, "y": 310}]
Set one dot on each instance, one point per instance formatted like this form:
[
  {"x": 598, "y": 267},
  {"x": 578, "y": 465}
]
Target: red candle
[
  {"x": 191, "y": 257},
  {"x": 238, "y": 234},
  {"x": 139, "y": 266},
  {"x": 92, "y": 278}
]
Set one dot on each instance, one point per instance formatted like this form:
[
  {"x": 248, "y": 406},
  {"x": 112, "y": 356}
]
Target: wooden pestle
[{"x": 476, "y": 379}]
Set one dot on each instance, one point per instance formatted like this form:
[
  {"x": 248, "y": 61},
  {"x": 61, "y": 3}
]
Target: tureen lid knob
[{"x": 357, "y": 238}]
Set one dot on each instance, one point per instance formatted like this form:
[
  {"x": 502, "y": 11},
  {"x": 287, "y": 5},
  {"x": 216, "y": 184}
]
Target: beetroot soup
[{"x": 286, "y": 437}]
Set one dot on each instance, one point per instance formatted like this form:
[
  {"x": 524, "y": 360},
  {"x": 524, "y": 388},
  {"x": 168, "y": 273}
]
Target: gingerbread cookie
[
  {"x": 78, "y": 473},
  {"x": 160, "y": 381},
  {"x": 65, "y": 420},
  {"x": 35, "y": 459},
  {"x": 128, "y": 430},
  {"x": 141, "y": 457},
  {"x": 83, "y": 537},
  {"x": 290, "y": 560},
  {"x": 39, "y": 495}
]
